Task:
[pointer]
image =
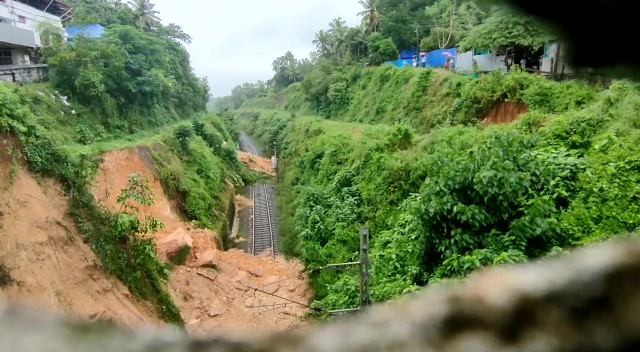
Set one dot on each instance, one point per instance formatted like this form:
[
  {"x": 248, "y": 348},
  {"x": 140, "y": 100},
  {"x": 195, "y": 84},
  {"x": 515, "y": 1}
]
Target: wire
[
  {"x": 317, "y": 309},
  {"x": 294, "y": 277}
]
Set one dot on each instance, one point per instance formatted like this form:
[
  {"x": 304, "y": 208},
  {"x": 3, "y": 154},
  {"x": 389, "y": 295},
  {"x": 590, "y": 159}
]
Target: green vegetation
[
  {"x": 132, "y": 88},
  {"x": 445, "y": 200},
  {"x": 404, "y": 151}
]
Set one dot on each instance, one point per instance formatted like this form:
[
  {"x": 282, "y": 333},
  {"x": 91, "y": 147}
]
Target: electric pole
[
  {"x": 417, "y": 39},
  {"x": 365, "y": 299},
  {"x": 363, "y": 272}
]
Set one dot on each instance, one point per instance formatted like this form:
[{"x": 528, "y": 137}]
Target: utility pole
[
  {"x": 363, "y": 271},
  {"x": 417, "y": 38},
  {"x": 274, "y": 160},
  {"x": 365, "y": 299}
]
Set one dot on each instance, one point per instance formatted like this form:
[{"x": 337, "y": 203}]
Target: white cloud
[{"x": 236, "y": 41}]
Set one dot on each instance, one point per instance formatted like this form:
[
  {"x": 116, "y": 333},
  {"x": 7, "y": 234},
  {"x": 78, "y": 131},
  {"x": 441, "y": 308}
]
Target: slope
[
  {"x": 442, "y": 193},
  {"x": 52, "y": 267}
]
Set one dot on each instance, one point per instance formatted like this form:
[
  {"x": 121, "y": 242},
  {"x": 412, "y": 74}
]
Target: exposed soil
[
  {"x": 50, "y": 265},
  {"x": 222, "y": 301},
  {"x": 504, "y": 112},
  {"x": 218, "y": 302},
  {"x": 256, "y": 162}
]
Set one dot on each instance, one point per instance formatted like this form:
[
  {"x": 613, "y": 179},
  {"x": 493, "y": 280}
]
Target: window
[
  {"x": 22, "y": 19},
  {"x": 5, "y": 57}
]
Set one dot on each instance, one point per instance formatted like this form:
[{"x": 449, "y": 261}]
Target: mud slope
[
  {"x": 212, "y": 289},
  {"x": 257, "y": 163},
  {"x": 53, "y": 269}
]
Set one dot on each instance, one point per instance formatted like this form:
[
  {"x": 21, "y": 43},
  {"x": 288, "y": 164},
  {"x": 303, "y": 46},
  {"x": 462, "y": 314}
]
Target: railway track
[{"x": 263, "y": 229}]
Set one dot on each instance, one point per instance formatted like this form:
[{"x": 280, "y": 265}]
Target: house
[
  {"x": 19, "y": 39},
  {"x": 551, "y": 62}
]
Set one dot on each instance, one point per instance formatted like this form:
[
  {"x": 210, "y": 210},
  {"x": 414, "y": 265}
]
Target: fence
[{"x": 435, "y": 58}]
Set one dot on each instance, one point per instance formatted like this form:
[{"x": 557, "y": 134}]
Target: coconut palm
[
  {"x": 146, "y": 16},
  {"x": 370, "y": 15},
  {"x": 338, "y": 31},
  {"x": 322, "y": 41}
]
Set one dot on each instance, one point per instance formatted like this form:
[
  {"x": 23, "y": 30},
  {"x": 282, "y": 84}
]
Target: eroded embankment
[
  {"x": 213, "y": 290},
  {"x": 49, "y": 265}
]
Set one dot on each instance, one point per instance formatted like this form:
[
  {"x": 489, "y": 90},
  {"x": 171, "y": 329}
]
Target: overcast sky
[{"x": 235, "y": 41}]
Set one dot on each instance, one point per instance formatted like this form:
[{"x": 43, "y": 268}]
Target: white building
[
  {"x": 492, "y": 62},
  {"x": 19, "y": 38}
]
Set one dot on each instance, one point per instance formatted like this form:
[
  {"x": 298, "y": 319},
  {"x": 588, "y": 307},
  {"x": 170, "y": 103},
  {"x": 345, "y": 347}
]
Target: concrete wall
[
  {"x": 20, "y": 56},
  {"x": 23, "y": 73},
  {"x": 16, "y": 36},
  {"x": 16, "y": 11},
  {"x": 551, "y": 53},
  {"x": 486, "y": 62}
]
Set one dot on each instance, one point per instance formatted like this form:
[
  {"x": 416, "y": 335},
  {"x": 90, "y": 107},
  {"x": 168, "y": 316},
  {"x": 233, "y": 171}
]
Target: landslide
[
  {"x": 211, "y": 288},
  {"x": 49, "y": 264}
]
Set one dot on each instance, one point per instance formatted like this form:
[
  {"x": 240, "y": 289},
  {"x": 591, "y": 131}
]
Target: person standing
[
  {"x": 415, "y": 61},
  {"x": 447, "y": 63},
  {"x": 424, "y": 59}
]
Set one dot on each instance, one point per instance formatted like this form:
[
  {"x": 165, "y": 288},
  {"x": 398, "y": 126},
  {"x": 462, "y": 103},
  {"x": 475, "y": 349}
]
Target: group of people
[{"x": 423, "y": 61}]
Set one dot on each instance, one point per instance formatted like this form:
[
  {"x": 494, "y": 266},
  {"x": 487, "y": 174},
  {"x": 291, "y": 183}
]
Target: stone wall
[
  {"x": 23, "y": 73},
  {"x": 585, "y": 301}
]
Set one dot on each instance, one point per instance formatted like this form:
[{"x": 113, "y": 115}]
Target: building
[
  {"x": 550, "y": 62},
  {"x": 19, "y": 38}
]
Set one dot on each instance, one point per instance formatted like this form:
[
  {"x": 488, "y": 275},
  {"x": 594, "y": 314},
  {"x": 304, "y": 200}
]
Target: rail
[{"x": 263, "y": 234}]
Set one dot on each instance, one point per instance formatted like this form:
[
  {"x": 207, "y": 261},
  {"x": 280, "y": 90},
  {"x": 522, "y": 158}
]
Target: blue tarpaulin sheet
[
  {"x": 400, "y": 63},
  {"x": 406, "y": 54},
  {"x": 437, "y": 58},
  {"x": 89, "y": 31}
]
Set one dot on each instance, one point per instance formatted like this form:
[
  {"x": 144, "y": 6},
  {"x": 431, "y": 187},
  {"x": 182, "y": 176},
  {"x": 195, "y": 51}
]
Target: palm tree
[
  {"x": 146, "y": 16},
  {"x": 338, "y": 31},
  {"x": 370, "y": 15},
  {"x": 322, "y": 41}
]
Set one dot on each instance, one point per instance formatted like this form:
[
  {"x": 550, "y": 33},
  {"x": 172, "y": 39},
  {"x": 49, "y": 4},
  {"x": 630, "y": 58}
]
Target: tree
[
  {"x": 322, "y": 41},
  {"x": 506, "y": 27},
  {"x": 399, "y": 18},
  {"x": 450, "y": 21},
  {"x": 174, "y": 31},
  {"x": 356, "y": 42},
  {"x": 50, "y": 34},
  {"x": 286, "y": 70},
  {"x": 370, "y": 15},
  {"x": 381, "y": 49},
  {"x": 338, "y": 31},
  {"x": 104, "y": 12},
  {"x": 145, "y": 15}
]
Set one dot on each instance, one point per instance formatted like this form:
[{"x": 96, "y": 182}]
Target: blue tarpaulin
[
  {"x": 89, "y": 31},
  {"x": 400, "y": 63},
  {"x": 437, "y": 58},
  {"x": 407, "y": 54}
]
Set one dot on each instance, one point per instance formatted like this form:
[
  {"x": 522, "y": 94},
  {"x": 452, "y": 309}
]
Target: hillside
[
  {"x": 137, "y": 230},
  {"x": 416, "y": 156}
]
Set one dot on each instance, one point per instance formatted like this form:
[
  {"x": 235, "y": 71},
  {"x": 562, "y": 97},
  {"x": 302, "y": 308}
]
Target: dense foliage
[
  {"x": 442, "y": 194},
  {"x": 134, "y": 87},
  {"x": 137, "y": 75},
  {"x": 114, "y": 237}
]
